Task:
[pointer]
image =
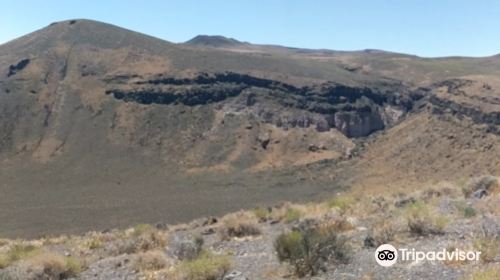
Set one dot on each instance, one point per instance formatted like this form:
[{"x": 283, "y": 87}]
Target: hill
[{"x": 105, "y": 127}]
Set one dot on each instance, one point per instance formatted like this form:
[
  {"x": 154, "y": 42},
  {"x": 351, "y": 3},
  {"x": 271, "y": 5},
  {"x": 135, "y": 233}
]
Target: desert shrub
[
  {"x": 487, "y": 183},
  {"x": 292, "y": 215},
  {"x": 309, "y": 249},
  {"x": 4, "y": 262},
  {"x": 48, "y": 265},
  {"x": 343, "y": 203},
  {"x": 150, "y": 261},
  {"x": 15, "y": 253},
  {"x": 489, "y": 248},
  {"x": 469, "y": 212},
  {"x": 143, "y": 228},
  {"x": 187, "y": 248},
  {"x": 464, "y": 209},
  {"x": 423, "y": 221},
  {"x": 490, "y": 273},
  {"x": 143, "y": 238},
  {"x": 206, "y": 267},
  {"x": 261, "y": 213},
  {"x": 384, "y": 232},
  {"x": 239, "y": 224},
  {"x": 94, "y": 243}
]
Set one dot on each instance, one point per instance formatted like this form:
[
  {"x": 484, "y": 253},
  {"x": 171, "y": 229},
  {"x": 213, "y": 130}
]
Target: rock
[
  {"x": 480, "y": 193},
  {"x": 161, "y": 226},
  {"x": 369, "y": 242},
  {"x": 235, "y": 275},
  {"x": 208, "y": 231},
  {"x": 358, "y": 123},
  {"x": 264, "y": 140},
  {"x": 481, "y": 186},
  {"x": 210, "y": 221},
  {"x": 13, "y": 69},
  {"x": 316, "y": 148},
  {"x": 404, "y": 201}
]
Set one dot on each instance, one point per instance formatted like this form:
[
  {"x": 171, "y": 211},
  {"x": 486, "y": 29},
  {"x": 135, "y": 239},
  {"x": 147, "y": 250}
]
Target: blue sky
[{"x": 422, "y": 27}]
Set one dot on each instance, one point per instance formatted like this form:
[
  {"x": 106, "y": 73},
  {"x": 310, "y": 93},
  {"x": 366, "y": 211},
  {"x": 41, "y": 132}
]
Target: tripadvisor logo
[{"x": 387, "y": 255}]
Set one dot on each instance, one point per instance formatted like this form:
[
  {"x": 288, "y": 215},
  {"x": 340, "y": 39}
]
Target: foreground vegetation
[{"x": 305, "y": 239}]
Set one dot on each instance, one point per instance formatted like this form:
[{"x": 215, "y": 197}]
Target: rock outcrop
[{"x": 355, "y": 111}]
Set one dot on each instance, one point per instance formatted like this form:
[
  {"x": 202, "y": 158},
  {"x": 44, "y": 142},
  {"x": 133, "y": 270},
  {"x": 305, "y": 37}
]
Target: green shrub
[
  {"x": 292, "y": 215},
  {"x": 4, "y": 262},
  {"x": 16, "y": 253},
  {"x": 261, "y": 213},
  {"x": 143, "y": 228},
  {"x": 94, "y": 243},
  {"x": 343, "y": 203},
  {"x": 206, "y": 267},
  {"x": 308, "y": 250},
  {"x": 469, "y": 212}
]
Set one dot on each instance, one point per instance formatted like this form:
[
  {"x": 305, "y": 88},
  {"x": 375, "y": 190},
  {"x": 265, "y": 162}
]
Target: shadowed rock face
[
  {"x": 13, "y": 69},
  {"x": 356, "y": 112}
]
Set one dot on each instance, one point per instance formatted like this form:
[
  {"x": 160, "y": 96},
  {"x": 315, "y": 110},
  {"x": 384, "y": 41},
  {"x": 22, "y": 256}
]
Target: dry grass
[
  {"x": 308, "y": 249},
  {"x": 423, "y": 220},
  {"x": 16, "y": 253},
  {"x": 454, "y": 262},
  {"x": 95, "y": 242},
  {"x": 239, "y": 224},
  {"x": 52, "y": 265},
  {"x": 150, "y": 261},
  {"x": 206, "y": 267},
  {"x": 489, "y": 247},
  {"x": 385, "y": 231},
  {"x": 142, "y": 238},
  {"x": 490, "y": 184},
  {"x": 262, "y": 214},
  {"x": 490, "y": 273},
  {"x": 344, "y": 203}
]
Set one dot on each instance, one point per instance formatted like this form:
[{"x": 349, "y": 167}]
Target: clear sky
[{"x": 422, "y": 27}]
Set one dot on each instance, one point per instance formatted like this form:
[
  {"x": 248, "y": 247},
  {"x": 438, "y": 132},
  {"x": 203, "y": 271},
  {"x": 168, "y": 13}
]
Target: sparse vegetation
[
  {"x": 490, "y": 273},
  {"x": 56, "y": 266},
  {"x": 15, "y": 253},
  {"x": 343, "y": 203},
  {"x": 207, "y": 266},
  {"x": 489, "y": 247},
  {"x": 150, "y": 261},
  {"x": 292, "y": 215},
  {"x": 423, "y": 221},
  {"x": 384, "y": 232},
  {"x": 469, "y": 212},
  {"x": 239, "y": 224},
  {"x": 94, "y": 243},
  {"x": 45, "y": 265},
  {"x": 310, "y": 249},
  {"x": 488, "y": 184},
  {"x": 188, "y": 249},
  {"x": 261, "y": 213},
  {"x": 143, "y": 238}
]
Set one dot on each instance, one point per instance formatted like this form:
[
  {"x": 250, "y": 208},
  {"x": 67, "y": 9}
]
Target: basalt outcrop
[{"x": 355, "y": 111}]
